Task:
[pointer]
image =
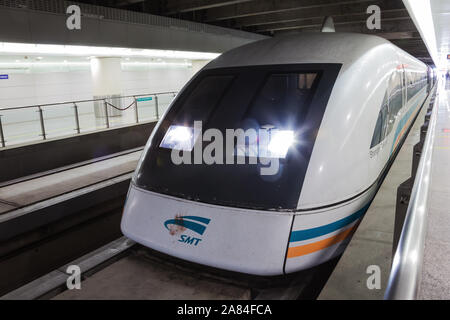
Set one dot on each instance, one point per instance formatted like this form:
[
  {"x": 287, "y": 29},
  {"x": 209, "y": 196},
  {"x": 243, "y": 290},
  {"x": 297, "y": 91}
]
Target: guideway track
[{"x": 125, "y": 270}]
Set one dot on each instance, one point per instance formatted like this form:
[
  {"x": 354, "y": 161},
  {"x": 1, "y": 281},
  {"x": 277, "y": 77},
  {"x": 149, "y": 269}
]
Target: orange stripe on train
[{"x": 322, "y": 244}]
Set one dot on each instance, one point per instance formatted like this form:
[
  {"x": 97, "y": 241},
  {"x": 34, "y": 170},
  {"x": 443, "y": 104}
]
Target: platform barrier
[
  {"x": 411, "y": 217},
  {"x": 19, "y": 125}
]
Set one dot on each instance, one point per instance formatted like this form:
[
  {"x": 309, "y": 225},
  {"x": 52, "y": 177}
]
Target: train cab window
[
  {"x": 291, "y": 98},
  {"x": 287, "y": 93},
  {"x": 390, "y": 107},
  {"x": 203, "y": 98}
]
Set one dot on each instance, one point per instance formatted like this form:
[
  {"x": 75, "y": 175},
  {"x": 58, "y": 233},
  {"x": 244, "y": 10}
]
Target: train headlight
[
  {"x": 279, "y": 143},
  {"x": 179, "y": 138}
]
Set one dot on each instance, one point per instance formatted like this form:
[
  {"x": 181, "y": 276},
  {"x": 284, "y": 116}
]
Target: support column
[{"x": 106, "y": 79}]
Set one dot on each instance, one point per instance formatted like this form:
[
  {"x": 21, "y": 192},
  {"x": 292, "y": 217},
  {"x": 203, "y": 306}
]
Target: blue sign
[
  {"x": 3, "y": 76},
  {"x": 144, "y": 99}
]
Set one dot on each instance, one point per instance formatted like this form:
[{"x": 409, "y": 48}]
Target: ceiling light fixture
[
  {"x": 66, "y": 50},
  {"x": 420, "y": 12}
]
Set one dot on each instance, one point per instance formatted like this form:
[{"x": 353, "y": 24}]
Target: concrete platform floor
[
  {"x": 372, "y": 242},
  {"x": 435, "y": 282},
  {"x": 38, "y": 189}
]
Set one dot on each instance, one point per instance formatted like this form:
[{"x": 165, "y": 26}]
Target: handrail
[
  {"x": 404, "y": 279},
  {"x": 90, "y": 100},
  {"x": 76, "y": 114}
]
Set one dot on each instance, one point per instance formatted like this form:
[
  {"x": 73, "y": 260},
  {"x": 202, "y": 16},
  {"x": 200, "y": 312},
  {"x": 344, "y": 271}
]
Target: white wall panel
[{"x": 22, "y": 89}]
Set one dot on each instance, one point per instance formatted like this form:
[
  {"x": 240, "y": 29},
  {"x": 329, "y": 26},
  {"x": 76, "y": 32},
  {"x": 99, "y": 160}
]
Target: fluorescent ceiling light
[
  {"x": 420, "y": 12},
  {"x": 163, "y": 63},
  {"x": 65, "y": 50},
  {"x": 87, "y": 64},
  {"x": 43, "y": 64}
]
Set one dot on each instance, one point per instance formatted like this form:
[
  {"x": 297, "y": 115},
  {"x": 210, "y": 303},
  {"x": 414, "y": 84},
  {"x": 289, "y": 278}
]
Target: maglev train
[{"x": 334, "y": 109}]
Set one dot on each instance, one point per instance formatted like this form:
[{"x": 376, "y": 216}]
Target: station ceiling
[{"x": 270, "y": 17}]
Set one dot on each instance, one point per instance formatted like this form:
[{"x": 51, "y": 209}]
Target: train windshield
[{"x": 240, "y": 136}]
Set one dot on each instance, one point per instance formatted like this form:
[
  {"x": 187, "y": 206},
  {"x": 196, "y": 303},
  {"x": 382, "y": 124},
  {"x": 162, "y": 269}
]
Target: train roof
[{"x": 308, "y": 47}]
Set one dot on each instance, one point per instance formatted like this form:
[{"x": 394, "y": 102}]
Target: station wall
[{"x": 22, "y": 89}]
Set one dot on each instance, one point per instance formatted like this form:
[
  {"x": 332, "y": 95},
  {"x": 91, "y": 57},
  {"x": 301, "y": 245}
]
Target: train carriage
[{"x": 337, "y": 107}]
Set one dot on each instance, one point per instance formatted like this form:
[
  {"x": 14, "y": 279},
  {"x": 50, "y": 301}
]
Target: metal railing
[
  {"x": 40, "y": 122},
  {"x": 406, "y": 271}
]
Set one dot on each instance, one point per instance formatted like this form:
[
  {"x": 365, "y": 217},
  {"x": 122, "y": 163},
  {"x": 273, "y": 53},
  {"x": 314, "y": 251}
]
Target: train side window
[
  {"x": 384, "y": 115},
  {"x": 395, "y": 99},
  {"x": 380, "y": 127},
  {"x": 416, "y": 81},
  {"x": 376, "y": 138}
]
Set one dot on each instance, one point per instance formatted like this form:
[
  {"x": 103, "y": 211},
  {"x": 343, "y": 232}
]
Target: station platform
[{"x": 435, "y": 277}]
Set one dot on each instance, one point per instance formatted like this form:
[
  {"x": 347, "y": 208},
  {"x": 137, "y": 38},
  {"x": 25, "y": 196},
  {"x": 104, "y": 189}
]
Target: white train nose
[{"x": 248, "y": 241}]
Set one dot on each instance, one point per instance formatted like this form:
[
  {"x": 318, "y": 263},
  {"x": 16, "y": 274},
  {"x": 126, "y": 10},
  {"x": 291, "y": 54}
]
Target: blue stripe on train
[{"x": 300, "y": 235}]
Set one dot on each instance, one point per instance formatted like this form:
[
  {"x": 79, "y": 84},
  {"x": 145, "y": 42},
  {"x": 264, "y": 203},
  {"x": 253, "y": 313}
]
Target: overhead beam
[
  {"x": 400, "y": 24},
  {"x": 400, "y": 35},
  {"x": 388, "y": 15},
  {"x": 408, "y": 42},
  {"x": 420, "y": 48},
  {"x": 358, "y": 26},
  {"x": 426, "y": 60},
  {"x": 334, "y": 11},
  {"x": 122, "y": 3},
  {"x": 177, "y": 6},
  {"x": 413, "y": 48},
  {"x": 260, "y": 7}
]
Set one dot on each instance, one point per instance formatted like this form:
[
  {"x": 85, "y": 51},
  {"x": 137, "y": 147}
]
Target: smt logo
[{"x": 193, "y": 223}]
